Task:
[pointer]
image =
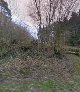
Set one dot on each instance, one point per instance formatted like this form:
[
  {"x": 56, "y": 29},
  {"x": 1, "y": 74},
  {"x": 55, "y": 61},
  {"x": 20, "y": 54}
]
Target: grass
[
  {"x": 76, "y": 62},
  {"x": 47, "y": 86},
  {"x": 12, "y": 87},
  {"x": 76, "y": 65}
]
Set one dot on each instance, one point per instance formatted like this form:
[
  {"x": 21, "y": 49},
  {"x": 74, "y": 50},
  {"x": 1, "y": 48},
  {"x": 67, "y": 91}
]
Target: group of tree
[
  {"x": 54, "y": 32},
  {"x": 5, "y": 14},
  {"x": 13, "y": 38},
  {"x": 56, "y": 25},
  {"x": 73, "y": 25}
]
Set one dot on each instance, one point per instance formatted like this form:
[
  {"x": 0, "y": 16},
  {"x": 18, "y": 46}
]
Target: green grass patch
[
  {"x": 47, "y": 86},
  {"x": 76, "y": 62}
]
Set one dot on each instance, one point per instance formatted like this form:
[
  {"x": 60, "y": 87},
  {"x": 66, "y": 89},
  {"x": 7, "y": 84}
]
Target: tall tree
[
  {"x": 5, "y": 12},
  {"x": 49, "y": 11}
]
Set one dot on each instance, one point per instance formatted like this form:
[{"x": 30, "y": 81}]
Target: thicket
[
  {"x": 14, "y": 40},
  {"x": 60, "y": 34}
]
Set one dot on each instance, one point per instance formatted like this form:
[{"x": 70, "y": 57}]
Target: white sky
[
  {"x": 19, "y": 9},
  {"x": 19, "y": 12}
]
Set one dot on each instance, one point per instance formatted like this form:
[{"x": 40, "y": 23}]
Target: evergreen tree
[{"x": 5, "y": 13}]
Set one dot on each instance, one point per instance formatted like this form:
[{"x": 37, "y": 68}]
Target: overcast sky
[
  {"x": 19, "y": 12},
  {"x": 19, "y": 9}
]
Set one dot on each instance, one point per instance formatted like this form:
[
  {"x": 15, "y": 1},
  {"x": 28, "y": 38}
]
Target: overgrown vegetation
[
  {"x": 13, "y": 38},
  {"x": 50, "y": 63},
  {"x": 13, "y": 42},
  {"x": 62, "y": 33}
]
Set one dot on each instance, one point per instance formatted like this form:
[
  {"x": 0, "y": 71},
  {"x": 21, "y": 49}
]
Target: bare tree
[{"x": 46, "y": 12}]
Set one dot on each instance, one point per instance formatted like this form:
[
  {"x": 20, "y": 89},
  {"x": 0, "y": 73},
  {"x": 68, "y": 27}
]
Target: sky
[{"x": 19, "y": 10}]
